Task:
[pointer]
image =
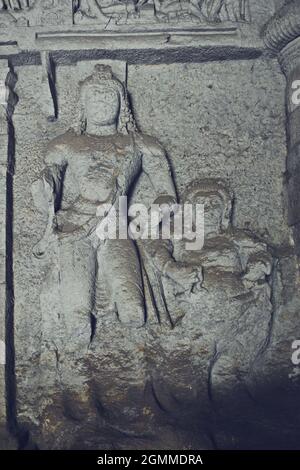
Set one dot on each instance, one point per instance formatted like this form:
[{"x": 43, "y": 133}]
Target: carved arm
[
  {"x": 156, "y": 166},
  {"x": 46, "y": 193}
]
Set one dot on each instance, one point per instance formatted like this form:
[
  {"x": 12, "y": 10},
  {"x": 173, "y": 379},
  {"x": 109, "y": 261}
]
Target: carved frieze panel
[
  {"x": 135, "y": 24},
  {"x": 124, "y": 343},
  {"x": 18, "y": 13},
  {"x": 133, "y": 13},
  {"x": 157, "y": 13}
]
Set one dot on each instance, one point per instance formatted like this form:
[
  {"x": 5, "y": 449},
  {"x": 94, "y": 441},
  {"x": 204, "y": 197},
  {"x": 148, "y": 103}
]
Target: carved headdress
[
  {"x": 103, "y": 76},
  {"x": 211, "y": 187}
]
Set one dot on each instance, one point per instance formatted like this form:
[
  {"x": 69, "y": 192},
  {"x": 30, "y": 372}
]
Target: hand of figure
[
  {"x": 256, "y": 272},
  {"x": 40, "y": 249},
  {"x": 259, "y": 266}
]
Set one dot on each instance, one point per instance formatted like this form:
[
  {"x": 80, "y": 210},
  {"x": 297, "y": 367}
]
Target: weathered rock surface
[{"x": 147, "y": 345}]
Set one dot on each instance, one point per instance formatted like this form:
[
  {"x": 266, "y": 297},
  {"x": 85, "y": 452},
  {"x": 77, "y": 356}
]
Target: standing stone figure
[
  {"x": 86, "y": 168},
  {"x": 227, "y": 250}
]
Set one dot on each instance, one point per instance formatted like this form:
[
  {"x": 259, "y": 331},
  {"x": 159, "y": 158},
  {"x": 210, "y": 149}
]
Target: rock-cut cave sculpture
[{"x": 84, "y": 168}]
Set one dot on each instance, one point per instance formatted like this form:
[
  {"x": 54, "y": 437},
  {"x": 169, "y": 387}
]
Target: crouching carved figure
[{"x": 233, "y": 261}]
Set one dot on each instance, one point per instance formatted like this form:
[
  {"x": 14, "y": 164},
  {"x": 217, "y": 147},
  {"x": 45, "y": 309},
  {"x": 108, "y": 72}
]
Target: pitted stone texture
[
  {"x": 162, "y": 387},
  {"x": 231, "y": 125}
]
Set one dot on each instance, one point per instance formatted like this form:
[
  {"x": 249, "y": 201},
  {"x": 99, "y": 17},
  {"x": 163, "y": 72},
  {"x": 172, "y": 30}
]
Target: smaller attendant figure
[
  {"x": 233, "y": 260},
  {"x": 226, "y": 249}
]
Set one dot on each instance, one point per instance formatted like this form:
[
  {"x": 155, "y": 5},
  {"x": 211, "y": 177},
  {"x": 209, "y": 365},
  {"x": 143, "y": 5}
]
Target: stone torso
[
  {"x": 98, "y": 168},
  {"x": 97, "y": 171}
]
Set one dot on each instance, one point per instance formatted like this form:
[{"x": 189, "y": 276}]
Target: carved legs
[
  {"x": 120, "y": 270},
  {"x": 112, "y": 271},
  {"x": 77, "y": 280}
]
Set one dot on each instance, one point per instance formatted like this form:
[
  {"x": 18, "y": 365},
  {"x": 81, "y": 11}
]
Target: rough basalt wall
[{"x": 214, "y": 370}]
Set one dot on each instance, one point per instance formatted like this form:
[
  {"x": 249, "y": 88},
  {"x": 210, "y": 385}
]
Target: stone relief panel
[
  {"x": 238, "y": 149},
  {"x": 234, "y": 258},
  {"x": 134, "y": 12},
  {"x": 149, "y": 12},
  {"x": 106, "y": 154},
  {"x": 15, "y": 12},
  {"x": 123, "y": 345},
  {"x": 50, "y": 25},
  {"x": 115, "y": 368},
  {"x": 35, "y": 12}
]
